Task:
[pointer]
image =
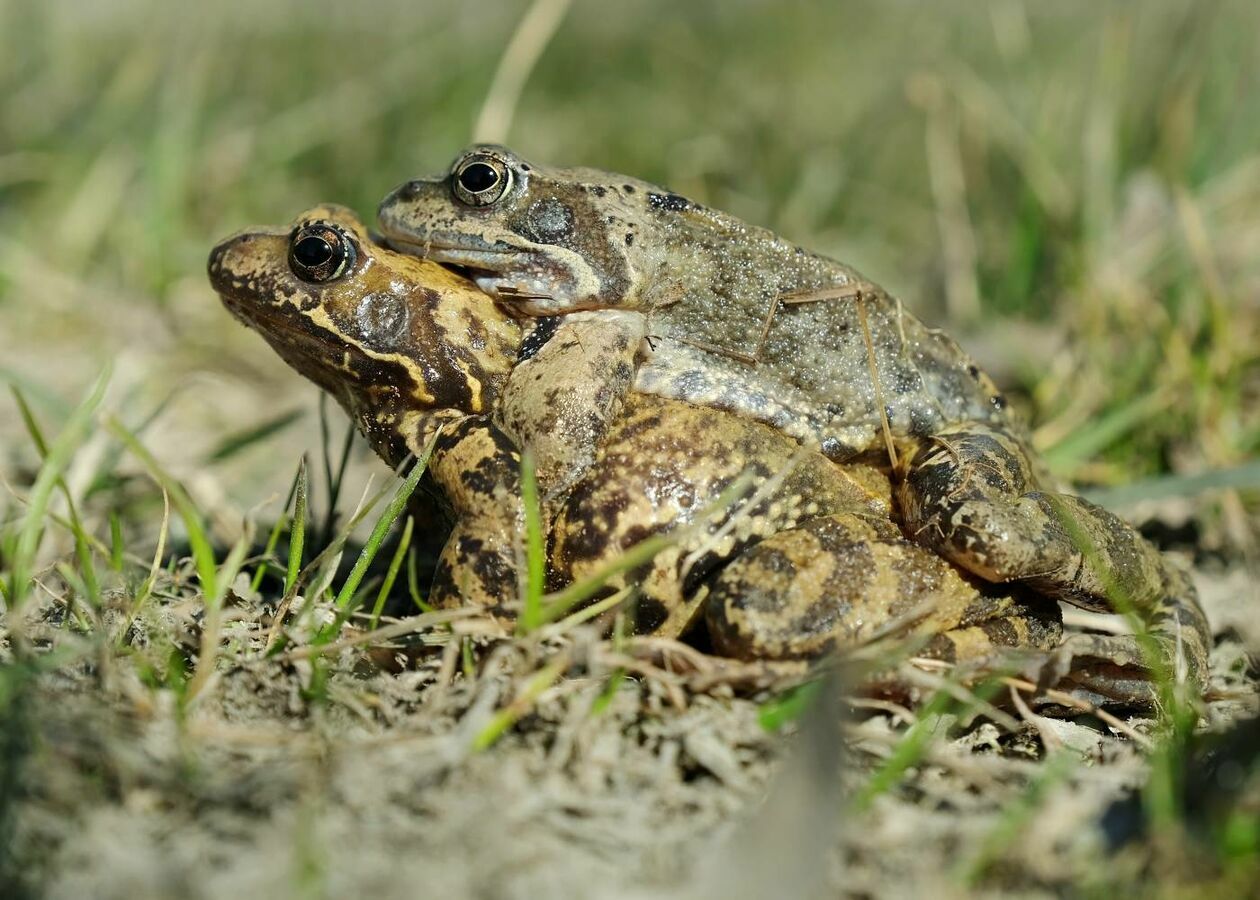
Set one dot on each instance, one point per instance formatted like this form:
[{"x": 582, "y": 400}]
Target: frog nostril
[{"x": 409, "y": 191}]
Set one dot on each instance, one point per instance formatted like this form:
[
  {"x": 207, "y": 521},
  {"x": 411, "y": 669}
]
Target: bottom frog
[{"x": 807, "y": 558}]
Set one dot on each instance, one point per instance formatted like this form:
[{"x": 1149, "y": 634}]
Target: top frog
[
  {"x": 726, "y": 304},
  {"x": 737, "y": 318}
]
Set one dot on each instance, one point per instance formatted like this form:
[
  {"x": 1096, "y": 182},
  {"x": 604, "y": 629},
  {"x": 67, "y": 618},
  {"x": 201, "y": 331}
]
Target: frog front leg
[
  {"x": 971, "y": 495},
  {"x": 477, "y": 468},
  {"x": 561, "y": 399}
]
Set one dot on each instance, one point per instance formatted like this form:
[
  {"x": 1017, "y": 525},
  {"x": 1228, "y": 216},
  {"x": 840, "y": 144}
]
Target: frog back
[{"x": 825, "y": 369}]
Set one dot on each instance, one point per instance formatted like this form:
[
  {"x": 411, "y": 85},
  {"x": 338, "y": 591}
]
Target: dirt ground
[{"x": 386, "y": 787}]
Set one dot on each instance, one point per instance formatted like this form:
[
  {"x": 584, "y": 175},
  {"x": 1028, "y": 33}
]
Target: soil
[{"x": 385, "y": 784}]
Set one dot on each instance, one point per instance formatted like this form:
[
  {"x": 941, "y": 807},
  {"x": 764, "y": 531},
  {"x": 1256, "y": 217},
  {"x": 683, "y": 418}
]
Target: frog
[
  {"x": 423, "y": 362},
  {"x": 720, "y": 313}
]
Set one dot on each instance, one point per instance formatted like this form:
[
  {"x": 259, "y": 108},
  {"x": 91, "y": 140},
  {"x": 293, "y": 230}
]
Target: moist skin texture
[
  {"x": 734, "y": 317},
  {"x": 817, "y": 554}
]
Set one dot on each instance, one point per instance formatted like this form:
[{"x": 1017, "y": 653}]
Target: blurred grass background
[{"x": 1072, "y": 187}]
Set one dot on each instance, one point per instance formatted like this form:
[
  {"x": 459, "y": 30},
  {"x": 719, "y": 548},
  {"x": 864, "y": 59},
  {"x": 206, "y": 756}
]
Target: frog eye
[
  {"x": 320, "y": 252},
  {"x": 480, "y": 179}
]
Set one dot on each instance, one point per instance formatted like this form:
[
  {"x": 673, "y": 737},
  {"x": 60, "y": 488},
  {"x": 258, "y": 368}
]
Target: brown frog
[
  {"x": 809, "y": 559},
  {"x": 718, "y": 313}
]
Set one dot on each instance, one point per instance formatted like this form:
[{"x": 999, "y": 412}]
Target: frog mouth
[
  {"x": 469, "y": 261},
  {"x": 503, "y": 274}
]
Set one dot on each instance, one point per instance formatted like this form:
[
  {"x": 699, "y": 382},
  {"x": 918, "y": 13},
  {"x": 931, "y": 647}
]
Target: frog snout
[
  {"x": 408, "y": 190},
  {"x": 227, "y": 258},
  {"x": 399, "y": 202}
]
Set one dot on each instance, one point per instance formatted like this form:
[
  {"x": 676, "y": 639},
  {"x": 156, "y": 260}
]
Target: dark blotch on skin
[
  {"x": 631, "y": 431},
  {"x": 1001, "y": 632},
  {"x": 588, "y": 506},
  {"x": 629, "y": 239},
  {"x": 836, "y": 450},
  {"x": 671, "y": 202},
  {"x": 483, "y": 478},
  {"x": 650, "y": 614},
  {"x": 599, "y": 190},
  {"x": 628, "y": 188},
  {"x": 497, "y": 576},
  {"x": 535, "y": 340}
]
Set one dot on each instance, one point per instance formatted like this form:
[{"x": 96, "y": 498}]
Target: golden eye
[
  {"x": 480, "y": 179},
  {"x": 320, "y": 252}
]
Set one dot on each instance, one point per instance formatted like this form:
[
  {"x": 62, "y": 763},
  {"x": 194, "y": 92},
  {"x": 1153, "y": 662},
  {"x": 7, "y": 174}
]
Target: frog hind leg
[
  {"x": 971, "y": 495},
  {"x": 477, "y": 469},
  {"x": 828, "y": 584}
]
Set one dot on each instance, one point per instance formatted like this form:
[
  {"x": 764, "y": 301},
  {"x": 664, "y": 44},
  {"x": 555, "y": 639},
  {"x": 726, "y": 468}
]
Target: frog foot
[{"x": 970, "y": 495}]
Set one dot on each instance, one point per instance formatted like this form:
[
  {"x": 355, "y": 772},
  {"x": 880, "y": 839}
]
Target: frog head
[
  {"x": 552, "y": 239},
  {"x": 385, "y": 333}
]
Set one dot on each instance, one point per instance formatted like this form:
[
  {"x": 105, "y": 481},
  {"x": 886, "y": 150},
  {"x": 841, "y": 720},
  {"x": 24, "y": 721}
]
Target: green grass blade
[
  {"x": 1091, "y": 439},
  {"x": 297, "y": 534},
  {"x": 323, "y": 566},
  {"x": 344, "y": 602},
  {"x": 116, "y": 546},
  {"x": 159, "y": 553},
  {"x": 198, "y": 540},
  {"x": 392, "y": 573},
  {"x": 413, "y": 584},
  {"x": 242, "y": 440},
  {"x": 641, "y": 553},
  {"x": 505, "y": 718},
  {"x": 273, "y": 537},
  {"x": 1118, "y": 596},
  {"x": 787, "y": 707},
  {"x": 59, "y": 454},
  {"x": 1236, "y": 478},
  {"x": 332, "y": 481},
  {"x": 907, "y": 753},
  {"x": 609, "y": 692},
  {"x": 379, "y": 530},
  {"x": 273, "y": 540},
  {"x": 82, "y": 541},
  {"x": 212, "y": 628},
  {"x": 535, "y": 561},
  {"x": 1011, "y": 825}
]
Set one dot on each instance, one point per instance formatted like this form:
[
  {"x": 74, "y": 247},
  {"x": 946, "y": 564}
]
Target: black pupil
[
  {"x": 312, "y": 251},
  {"x": 477, "y": 177}
]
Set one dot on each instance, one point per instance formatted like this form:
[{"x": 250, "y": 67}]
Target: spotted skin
[
  {"x": 699, "y": 281},
  {"x": 815, "y": 558},
  {"x": 428, "y": 379},
  {"x": 736, "y": 318},
  {"x": 970, "y": 495},
  {"x": 562, "y": 399},
  {"x": 814, "y": 564},
  {"x": 476, "y": 467},
  {"x": 827, "y": 583}
]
